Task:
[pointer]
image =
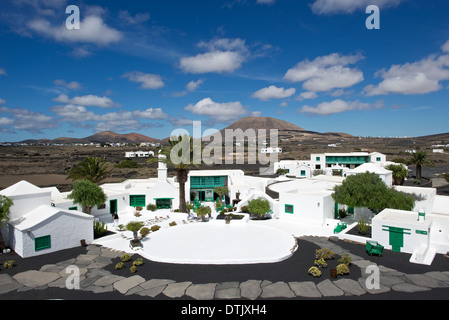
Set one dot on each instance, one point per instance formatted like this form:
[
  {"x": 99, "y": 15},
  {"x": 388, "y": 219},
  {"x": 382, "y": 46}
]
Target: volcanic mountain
[{"x": 286, "y": 130}]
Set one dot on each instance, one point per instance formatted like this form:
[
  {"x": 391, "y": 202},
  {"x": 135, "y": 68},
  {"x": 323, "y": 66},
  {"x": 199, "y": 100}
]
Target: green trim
[
  {"x": 137, "y": 200},
  {"x": 290, "y": 210},
  {"x": 42, "y": 243}
]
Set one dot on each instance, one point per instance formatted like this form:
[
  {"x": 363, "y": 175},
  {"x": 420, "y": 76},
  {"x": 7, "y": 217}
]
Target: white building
[
  {"x": 385, "y": 175},
  {"x": 36, "y": 227},
  {"x": 295, "y": 168},
  {"x": 271, "y": 150},
  {"x": 139, "y": 154}
]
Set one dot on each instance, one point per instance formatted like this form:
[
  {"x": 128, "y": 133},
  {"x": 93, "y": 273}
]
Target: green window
[
  {"x": 318, "y": 158},
  {"x": 303, "y": 173},
  {"x": 289, "y": 208},
  {"x": 137, "y": 201},
  {"x": 208, "y": 182},
  {"x": 378, "y": 159},
  {"x": 163, "y": 203},
  {"x": 42, "y": 243},
  {"x": 73, "y": 208}
]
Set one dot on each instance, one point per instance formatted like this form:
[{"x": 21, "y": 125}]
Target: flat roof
[{"x": 409, "y": 217}]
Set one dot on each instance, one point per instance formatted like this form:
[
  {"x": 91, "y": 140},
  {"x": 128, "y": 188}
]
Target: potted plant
[
  {"x": 202, "y": 212},
  {"x": 135, "y": 226}
]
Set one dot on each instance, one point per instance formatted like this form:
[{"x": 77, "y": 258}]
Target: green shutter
[
  {"x": 137, "y": 201},
  {"x": 42, "y": 243},
  {"x": 289, "y": 208}
]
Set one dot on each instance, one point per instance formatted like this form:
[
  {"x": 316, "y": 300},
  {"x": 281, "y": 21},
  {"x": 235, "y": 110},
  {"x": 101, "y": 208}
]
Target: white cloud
[
  {"x": 326, "y": 73},
  {"x": 273, "y": 92},
  {"x": 223, "y": 55},
  {"x": 349, "y": 6},
  {"x": 151, "y": 113},
  {"x": 2, "y": 72},
  {"x": 419, "y": 77},
  {"x": 220, "y": 112},
  {"x": 2, "y": 101},
  {"x": 92, "y": 30},
  {"x": 73, "y": 113},
  {"x": 193, "y": 85},
  {"x": 88, "y": 100},
  {"x": 339, "y": 106},
  {"x": 27, "y": 120},
  {"x": 266, "y": 1},
  {"x": 73, "y": 85},
  {"x": 147, "y": 80},
  {"x": 6, "y": 121},
  {"x": 307, "y": 95},
  {"x": 216, "y": 62}
]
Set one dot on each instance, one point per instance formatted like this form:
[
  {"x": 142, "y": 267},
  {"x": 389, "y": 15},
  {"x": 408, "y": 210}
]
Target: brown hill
[{"x": 102, "y": 137}]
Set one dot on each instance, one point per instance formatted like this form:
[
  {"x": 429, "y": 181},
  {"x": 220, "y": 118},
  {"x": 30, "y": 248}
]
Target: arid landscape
[{"x": 47, "y": 165}]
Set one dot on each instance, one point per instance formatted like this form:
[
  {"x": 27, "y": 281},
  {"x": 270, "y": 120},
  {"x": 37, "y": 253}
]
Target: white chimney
[{"x": 162, "y": 170}]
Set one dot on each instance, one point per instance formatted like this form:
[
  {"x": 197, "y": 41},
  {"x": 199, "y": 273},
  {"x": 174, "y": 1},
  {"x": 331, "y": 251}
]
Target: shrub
[
  {"x": 324, "y": 253},
  {"x": 172, "y": 224},
  {"x": 9, "y": 264},
  {"x": 151, "y": 207},
  {"x": 320, "y": 263},
  {"x": 259, "y": 206},
  {"x": 155, "y": 228},
  {"x": 362, "y": 226},
  {"x": 342, "y": 269},
  {"x": 315, "y": 272},
  {"x": 244, "y": 209},
  {"x": 100, "y": 228},
  {"x": 144, "y": 232},
  {"x": 119, "y": 266},
  {"x": 345, "y": 259},
  {"x": 138, "y": 262},
  {"x": 127, "y": 164},
  {"x": 125, "y": 258},
  {"x": 139, "y": 208},
  {"x": 203, "y": 211},
  {"x": 133, "y": 269}
]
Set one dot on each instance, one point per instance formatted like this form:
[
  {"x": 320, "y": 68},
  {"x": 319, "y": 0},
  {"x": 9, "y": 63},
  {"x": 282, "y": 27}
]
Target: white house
[
  {"x": 296, "y": 168},
  {"x": 271, "y": 150},
  {"x": 36, "y": 227},
  {"x": 385, "y": 175}
]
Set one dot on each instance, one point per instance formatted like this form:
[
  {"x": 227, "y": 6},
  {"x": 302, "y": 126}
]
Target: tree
[
  {"x": 87, "y": 194},
  {"x": 203, "y": 212},
  {"x": 180, "y": 157},
  {"x": 369, "y": 191},
  {"x": 420, "y": 159},
  {"x": 135, "y": 226},
  {"x": 93, "y": 169},
  {"x": 5, "y": 205},
  {"x": 445, "y": 176},
  {"x": 399, "y": 173},
  {"x": 259, "y": 206},
  {"x": 221, "y": 191}
]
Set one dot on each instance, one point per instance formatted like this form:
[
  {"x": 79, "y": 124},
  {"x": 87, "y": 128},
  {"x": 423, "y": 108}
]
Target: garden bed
[
  {"x": 355, "y": 231},
  {"x": 233, "y": 216}
]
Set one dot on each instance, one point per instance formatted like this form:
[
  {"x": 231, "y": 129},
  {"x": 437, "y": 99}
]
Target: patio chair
[{"x": 373, "y": 247}]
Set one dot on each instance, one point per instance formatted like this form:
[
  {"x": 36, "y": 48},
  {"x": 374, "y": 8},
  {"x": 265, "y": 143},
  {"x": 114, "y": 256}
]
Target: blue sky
[{"x": 154, "y": 66}]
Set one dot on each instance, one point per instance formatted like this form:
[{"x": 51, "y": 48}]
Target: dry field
[{"x": 47, "y": 165}]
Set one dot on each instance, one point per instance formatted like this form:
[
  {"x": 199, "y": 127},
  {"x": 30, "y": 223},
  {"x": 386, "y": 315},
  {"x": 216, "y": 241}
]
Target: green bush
[
  {"x": 138, "y": 262},
  {"x": 203, "y": 211},
  {"x": 244, "y": 209},
  {"x": 172, "y": 224},
  {"x": 342, "y": 269},
  {"x": 259, "y": 207},
  {"x": 324, "y": 253},
  {"x": 320, "y": 263},
  {"x": 151, "y": 207},
  {"x": 144, "y": 232},
  {"x": 345, "y": 259},
  {"x": 315, "y": 272},
  {"x": 155, "y": 228},
  {"x": 128, "y": 164},
  {"x": 125, "y": 258},
  {"x": 362, "y": 226},
  {"x": 119, "y": 266},
  {"x": 9, "y": 264},
  {"x": 133, "y": 269},
  {"x": 100, "y": 228}
]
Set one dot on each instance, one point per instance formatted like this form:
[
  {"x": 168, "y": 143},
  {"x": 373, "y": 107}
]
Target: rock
[
  {"x": 124, "y": 285},
  {"x": 277, "y": 290},
  {"x": 306, "y": 289},
  {"x": 250, "y": 289},
  {"x": 201, "y": 291}
]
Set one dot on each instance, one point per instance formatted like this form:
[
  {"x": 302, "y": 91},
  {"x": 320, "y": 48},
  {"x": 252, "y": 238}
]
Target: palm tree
[
  {"x": 420, "y": 159},
  {"x": 399, "y": 173},
  {"x": 5, "y": 205},
  {"x": 182, "y": 167},
  {"x": 93, "y": 169}
]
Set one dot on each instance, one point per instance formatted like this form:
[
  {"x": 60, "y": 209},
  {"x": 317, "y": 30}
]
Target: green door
[
  {"x": 336, "y": 210},
  {"x": 396, "y": 237},
  {"x": 112, "y": 206}
]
